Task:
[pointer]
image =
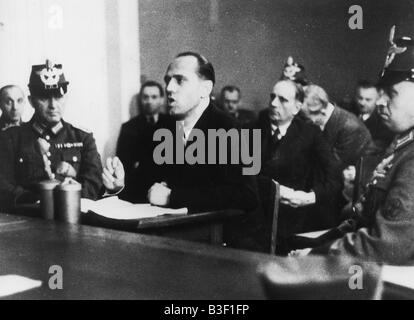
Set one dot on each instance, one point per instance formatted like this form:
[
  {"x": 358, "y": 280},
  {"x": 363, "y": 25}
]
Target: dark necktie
[{"x": 151, "y": 120}]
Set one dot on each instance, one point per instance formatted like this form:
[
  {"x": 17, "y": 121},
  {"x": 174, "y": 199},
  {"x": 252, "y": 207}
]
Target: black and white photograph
[{"x": 206, "y": 154}]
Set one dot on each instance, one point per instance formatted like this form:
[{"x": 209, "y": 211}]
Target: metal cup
[
  {"x": 47, "y": 208},
  {"x": 67, "y": 201}
]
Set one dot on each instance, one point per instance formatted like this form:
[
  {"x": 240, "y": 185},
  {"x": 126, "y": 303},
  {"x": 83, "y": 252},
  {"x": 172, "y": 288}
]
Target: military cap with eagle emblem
[
  {"x": 47, "y": 80},
  {"x": 399, "y": 63},
  {"x": 295, "y": 72}
]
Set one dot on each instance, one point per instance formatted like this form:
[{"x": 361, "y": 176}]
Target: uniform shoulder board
[
  {"x": 82, "y": 128},
  {"x": 405, "y": 140}
]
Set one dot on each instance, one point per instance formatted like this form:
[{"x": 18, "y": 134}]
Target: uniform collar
[
  {"x": 404, "y": 139},
  {"x": 40, "y": 128}
]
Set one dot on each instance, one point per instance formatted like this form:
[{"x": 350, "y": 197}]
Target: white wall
[{"x": 98, "y": 44}]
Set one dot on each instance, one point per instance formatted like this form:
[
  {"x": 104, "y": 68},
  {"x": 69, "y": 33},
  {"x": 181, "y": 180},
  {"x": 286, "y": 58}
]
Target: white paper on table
[
  {"x": 114, "y": 208},
  {"x": 12, "y": 284},
  {"x": 402, "y": 276}
]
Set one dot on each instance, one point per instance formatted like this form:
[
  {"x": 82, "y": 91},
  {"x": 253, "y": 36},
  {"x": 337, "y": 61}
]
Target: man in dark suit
[
  {"x": 199, "y": 186},
  {"x": 295, "y": 154},
  {"x": 365, "y": 108},
  {"x": 231, "y": 103},
  {"x": 346, "y": 135},
  {"x": 135, "y": 143}
]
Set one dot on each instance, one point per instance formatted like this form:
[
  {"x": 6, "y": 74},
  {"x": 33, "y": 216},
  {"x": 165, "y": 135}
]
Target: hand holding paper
[{"x": 296, "y": 199}]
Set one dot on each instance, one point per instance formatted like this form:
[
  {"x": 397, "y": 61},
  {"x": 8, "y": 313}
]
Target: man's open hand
[{"x": 113, "y": 175}]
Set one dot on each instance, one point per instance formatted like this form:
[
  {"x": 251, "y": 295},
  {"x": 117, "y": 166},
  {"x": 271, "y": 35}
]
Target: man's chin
[
  {"x": 53, "y": 121},
  {"x": 178, "y": 116}
]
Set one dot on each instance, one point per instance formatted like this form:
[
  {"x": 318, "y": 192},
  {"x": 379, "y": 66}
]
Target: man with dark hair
[
  {"x": 366, "y": 96},
  {"x": 135, "y": 142},
  {"x": 11, "y": 105},
  {"x": 295, "y": 154},
  {"x": 231, "y": 103},
  {"x": 205, "y": 68},
  {"x": 47, "y": 147},
  {"x": 189, "y": 82}
]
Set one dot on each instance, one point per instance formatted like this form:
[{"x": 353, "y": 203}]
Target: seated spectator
[
  {"x": 12, "y": 103},
  {"x": 135, "y": 142},
  {"x": 295, "y": 154},
  {"x": 231, "y": 103},
  {"x": 364, "y": 106},
  {"x": 344, "y": 132}
]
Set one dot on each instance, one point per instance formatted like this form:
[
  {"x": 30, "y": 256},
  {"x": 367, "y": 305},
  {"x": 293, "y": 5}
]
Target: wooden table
[
  {"x": 101, "y": 263},
  {"x": 106, "y": 264},
  {"x": 196, "y": 226},
  {"x": 202, "y": 227}
]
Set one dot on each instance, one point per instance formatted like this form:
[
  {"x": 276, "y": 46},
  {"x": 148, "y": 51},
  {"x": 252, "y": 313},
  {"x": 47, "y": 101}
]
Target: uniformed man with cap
[
  {"x": 383, "y": 226},
  {"x": 47, "y": 147}
]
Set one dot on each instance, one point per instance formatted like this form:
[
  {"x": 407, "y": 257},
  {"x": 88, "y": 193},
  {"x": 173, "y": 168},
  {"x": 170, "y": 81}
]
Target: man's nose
[
  {"x": 53, "y": 103},
  {"x": 171, "y": 85},
  {"x": 275, "y": 102},
  {"x": 381, "y": 102}
]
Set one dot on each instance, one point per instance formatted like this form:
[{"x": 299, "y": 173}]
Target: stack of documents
[{"x": 114, "y": 208}]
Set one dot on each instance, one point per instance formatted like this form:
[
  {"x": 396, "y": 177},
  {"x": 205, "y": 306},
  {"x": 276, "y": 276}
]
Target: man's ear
[
  {"x": 30, "y": 99},
  {"x": 206, "y": 88},
  {"x": 298, "y": 107}
]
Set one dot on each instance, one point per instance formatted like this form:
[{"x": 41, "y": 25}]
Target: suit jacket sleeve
[
  {"x": 90, "y": 170},
  {"x": 391, "y": 237},
  {"x": 327, "y": 178},
  {"x": 233, "y": 191},
  {"x": 124, "y": 148},
  {"x": 9, "y": 190},
  {"x": 351, "y": 143}
]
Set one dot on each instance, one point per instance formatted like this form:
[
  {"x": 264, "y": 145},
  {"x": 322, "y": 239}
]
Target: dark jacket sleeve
[
  {"x": 391, "y": 238},
  {"x": 351, "y": 142},
  {"x": 124, "y": 148},
  {"x": 9, "y": 190},
  {"x": 327, "y": 178},
  {"x": 90, "y": 172},
  {"x": 233, "y": 190}
]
